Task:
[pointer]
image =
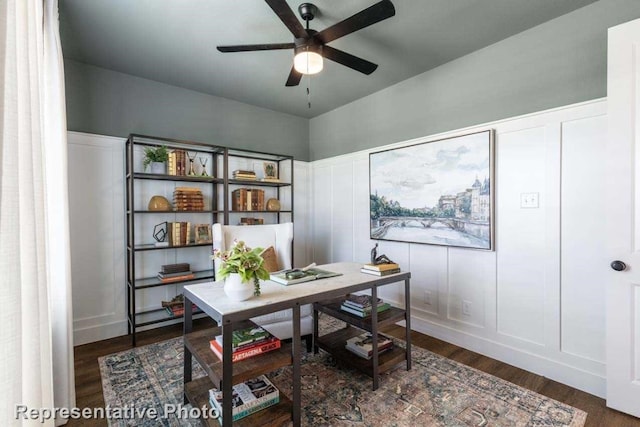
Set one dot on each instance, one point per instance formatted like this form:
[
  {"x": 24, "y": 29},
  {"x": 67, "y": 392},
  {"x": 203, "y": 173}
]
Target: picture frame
[
  {"x": 202, "y": 233},
  {"x": 437, "y": 192},
  {"x": 270, "y": 170}
]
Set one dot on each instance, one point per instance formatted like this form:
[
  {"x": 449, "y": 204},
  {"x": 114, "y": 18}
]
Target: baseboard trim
[
  {"x": 552, "y": 369},
  {"x": 101, "y": 332}
]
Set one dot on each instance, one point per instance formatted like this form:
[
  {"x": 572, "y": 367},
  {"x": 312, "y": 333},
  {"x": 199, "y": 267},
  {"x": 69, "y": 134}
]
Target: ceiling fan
[{"x": 310, "y": 46}]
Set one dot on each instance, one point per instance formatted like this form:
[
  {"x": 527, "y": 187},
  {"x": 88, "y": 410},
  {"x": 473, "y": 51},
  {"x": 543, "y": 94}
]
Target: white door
[{"x": 623, "y": 218}]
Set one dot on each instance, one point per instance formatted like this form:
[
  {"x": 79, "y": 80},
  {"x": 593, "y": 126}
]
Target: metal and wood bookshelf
[{"x": 217, "y": 186}]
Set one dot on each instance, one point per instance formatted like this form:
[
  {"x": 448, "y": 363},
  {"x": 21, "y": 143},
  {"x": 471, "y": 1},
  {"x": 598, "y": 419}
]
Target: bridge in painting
[{"x": 458, "y": 224}]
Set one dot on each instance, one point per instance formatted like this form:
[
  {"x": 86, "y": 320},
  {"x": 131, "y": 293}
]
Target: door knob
[{"x": 618, "y": 265}]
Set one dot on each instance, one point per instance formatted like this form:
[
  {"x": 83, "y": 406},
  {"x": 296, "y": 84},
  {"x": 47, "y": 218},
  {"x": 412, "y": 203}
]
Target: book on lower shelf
[
  {"x": 243, "y": 337},
  {"x": 247, "y": 351},
  {"x": 364, "y": 312},
  {"x": 360, "y": 301},
  {"x": 380, "y": 273},
  {"x": 175, "y": 277},
  {"x": 362, "y": 345},
  {"x": 177, "y": 310},
  {"x": 248, "y": 397}
]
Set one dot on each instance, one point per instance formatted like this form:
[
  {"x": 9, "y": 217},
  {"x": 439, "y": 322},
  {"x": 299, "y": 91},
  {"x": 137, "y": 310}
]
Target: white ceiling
[{"x": 174, "y": 42}]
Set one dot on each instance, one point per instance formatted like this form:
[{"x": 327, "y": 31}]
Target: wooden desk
[{"x": 230, "y": 315}]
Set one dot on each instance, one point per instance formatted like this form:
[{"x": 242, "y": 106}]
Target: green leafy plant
[
  {"x": 241, "y": 259},
  {"x": 155, "y": 154}
]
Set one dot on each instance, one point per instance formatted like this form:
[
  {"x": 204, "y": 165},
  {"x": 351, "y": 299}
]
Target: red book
[{"x": 251, "y": 350}]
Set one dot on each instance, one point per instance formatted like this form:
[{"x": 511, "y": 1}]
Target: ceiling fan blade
[
  {"x": 294, "y": 78},
  {"x": 253, "y": 47},
  {"x": 349, "y": 60},
  {"x": 286, "y": 15},
  {"x": 369, "y": 16}
]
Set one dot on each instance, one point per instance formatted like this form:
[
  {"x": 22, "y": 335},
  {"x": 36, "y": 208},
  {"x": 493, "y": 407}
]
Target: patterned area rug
[{"x": 436, "y": 392}]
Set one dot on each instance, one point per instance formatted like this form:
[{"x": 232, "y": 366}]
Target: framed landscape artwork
[{"x": 438, "y": 192}]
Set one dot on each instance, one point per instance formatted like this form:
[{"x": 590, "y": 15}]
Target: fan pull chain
[{"x": 309, "y": 90}]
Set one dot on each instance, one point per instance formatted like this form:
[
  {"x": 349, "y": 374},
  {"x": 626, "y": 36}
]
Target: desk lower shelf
[
  {"x": 334, "y": 343},
  {"x": 197, "y": 392},
  {"x": 198, "y": 344}
]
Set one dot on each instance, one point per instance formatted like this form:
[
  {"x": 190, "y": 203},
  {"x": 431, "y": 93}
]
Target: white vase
[
  {"x": 159, "y": 168},
  {"x": 236, "y": 289}
]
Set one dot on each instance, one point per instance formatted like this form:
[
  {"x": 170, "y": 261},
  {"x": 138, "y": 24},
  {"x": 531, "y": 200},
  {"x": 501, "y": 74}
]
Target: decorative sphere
[
  {"x": 273, "y": 205},
  {"x": 159, "y": 203}
]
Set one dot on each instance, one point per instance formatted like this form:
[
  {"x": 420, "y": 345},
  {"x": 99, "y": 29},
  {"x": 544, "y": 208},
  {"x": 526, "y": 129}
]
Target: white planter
[
  {"x": 236, "y": 289},
  {"x": 159, "y": 168}
]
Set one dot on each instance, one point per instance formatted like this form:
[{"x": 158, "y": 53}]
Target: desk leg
[
  {"x": 296, "y": 348},
  {"x": 227, "y": 375},
  {"x": 407, "y": 315},
  {"x": 315, "y": 330},
  {"x": 374, "y": 336},
  {"x": 187, "y": 327}
]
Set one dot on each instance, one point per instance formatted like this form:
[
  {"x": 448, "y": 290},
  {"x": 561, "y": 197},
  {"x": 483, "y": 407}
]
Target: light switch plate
[{"x": 529, "y": 200}]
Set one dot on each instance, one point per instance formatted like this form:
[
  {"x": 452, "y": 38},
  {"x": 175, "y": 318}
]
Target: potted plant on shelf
[
  {"x": 157, "y": 157},
  {"x": 242, "y": 268}
]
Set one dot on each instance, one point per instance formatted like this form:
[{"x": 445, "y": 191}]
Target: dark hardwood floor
[{"x": 89, "y": 386}]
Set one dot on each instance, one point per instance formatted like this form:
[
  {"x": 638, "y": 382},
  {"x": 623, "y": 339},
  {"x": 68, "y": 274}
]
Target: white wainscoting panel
[
  {"x": 524, "y": 308},
  {"x": 342, "y": 212},
  {"x": 520, "y": 232},
  {"x": 96, "y": 210},
  {"x": 583, "y": 238}
]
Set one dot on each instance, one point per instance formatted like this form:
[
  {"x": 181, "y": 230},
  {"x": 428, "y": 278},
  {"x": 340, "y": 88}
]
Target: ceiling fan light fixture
[{"x": 307, "y": 61}]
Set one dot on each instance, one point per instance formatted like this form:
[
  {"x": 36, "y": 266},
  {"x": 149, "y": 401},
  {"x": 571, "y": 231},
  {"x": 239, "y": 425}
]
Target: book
[
  {"x": 246, "y": 336},
  {"x": 364, "y": 312},
  {"x": 176, "y": 278},
  {"x": 247, "y": 397},
  {"x": 291, "y": 277},
  {"x": 360, "y": 301},
  {"x": 381, "y": 267},
  {"x": 248, "y": 351},
  {"x": 362, "y": 345},
  {"x": 380, "y": 273},
  {"x": 178, "y": 309},
  {"x": 175, "y": 268}
]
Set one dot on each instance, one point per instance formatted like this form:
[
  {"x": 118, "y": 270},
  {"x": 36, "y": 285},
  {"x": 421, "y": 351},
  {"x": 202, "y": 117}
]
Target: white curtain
[{"x": 36, "y": 348}]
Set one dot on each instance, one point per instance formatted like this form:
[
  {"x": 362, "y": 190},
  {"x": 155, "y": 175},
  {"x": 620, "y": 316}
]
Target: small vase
[
  {"x": 236, "y": 289},
  {"x": 158, "y": 168}
]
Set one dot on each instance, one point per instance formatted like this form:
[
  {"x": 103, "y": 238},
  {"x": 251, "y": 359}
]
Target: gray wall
[
  {"x": 557, "y": 63},
  {"x": 110, "y": 103}
]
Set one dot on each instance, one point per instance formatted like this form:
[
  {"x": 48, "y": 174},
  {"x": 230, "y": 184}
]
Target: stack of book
[
  {"x": 360, "y": 305},
  {"x": 244, "y": 174},
  {"x": 188, "y": 199},
  {"x": 247, "y": 199},
  {"x": 177, "y": 163},
  {"x": 179, "y": 233},
  {"x": 175, "y": 272},
  {"x": 175, "y": 307},
  {"x": 177, "y": 310},
  {"x": 362, "y": 346},
  {"x": 251, "y": 221},
  {"x": 248, "y": 397},
  {"x": 381, "y": 269},
  {"x": 270, "y": 179},
  {"x": 246, "y": 343}
]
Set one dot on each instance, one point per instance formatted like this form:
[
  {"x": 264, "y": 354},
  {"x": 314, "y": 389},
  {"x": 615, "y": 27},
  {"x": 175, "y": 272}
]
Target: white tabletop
[{"x": 210, "y": 296}]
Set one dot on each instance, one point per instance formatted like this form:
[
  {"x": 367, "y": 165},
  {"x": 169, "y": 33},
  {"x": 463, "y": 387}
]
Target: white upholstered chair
[{"x": 280, "y": 236}]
